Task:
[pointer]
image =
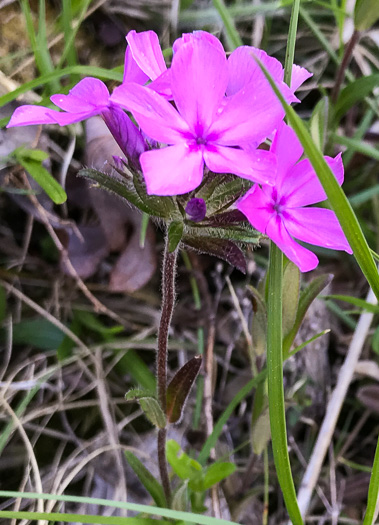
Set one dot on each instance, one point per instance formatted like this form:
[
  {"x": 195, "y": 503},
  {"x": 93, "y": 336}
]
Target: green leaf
[
  {"x": 366, "y": 13},
  {"x": 40, "y": 174},
  {"x": 354, "y": 92},
  {"x": 318, "y": 124},
  {"x": 334, "y": 192},
  {"x": 153, "y": 487},
  {"x": 307, "y": 296},
  {"x": 291, "y": 290},
  {"x": 38, "y": 333},
  {"x": 217, "y": 472},
  {"x": 122, "y": 189},
  {"x": 180, "y": 387},
  {"x": 361, "y": 303},
  {"x": 175, "y": 234},
  {"x": 149, "y": 405},
  {"x": 259, "y": 322},
  {"x": 183, "y": 466},
  {"x": 375, "y": 341},
  {"x": 261, "y": 433},
  {"x": 180, "y": 497},
  {"x": 226, "y": 250},
  {"x": 165, "y": 207}
]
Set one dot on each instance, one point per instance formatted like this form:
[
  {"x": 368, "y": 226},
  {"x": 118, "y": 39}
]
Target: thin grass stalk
[
  {"x": 275, "y": 338},
  {"x": 373, "y": 491},
  {"x": 232, "y": 35},
  {"x": 275, "y": 384}
]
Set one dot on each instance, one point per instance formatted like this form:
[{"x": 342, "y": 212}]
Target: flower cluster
[{"x": 209, "y": 112}]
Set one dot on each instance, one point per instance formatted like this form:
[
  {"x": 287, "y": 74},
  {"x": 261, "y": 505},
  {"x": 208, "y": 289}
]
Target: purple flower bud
[{"x": 196, "y": 209}]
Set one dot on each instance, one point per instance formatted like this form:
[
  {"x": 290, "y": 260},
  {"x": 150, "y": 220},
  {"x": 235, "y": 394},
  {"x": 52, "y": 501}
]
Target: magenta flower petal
[
  {"x": 302, "y": 257},
  {"x": 162, "y": 85},
  {"x": 147, "y": 52},
  {"x": 198, "y": 35},
  {"x": 258, "y": 166},
  {"x": 244, "y": 69},
  {"x": 90, "y": 94},
  {"x": 302, "y": 186},
  {"x": 132, "y": 71},
  {"x": 156, "y": 116},
  {"x": 279, "y": 213},
  {"x": 173, "y": 170},
  {"x": 199, "y": 77},
  {"x": 31, "y": 115},
  {"x": 257, "y": 207},
  {"x": 299, "y": 75},
  {"x": 250, "y": 115},
  {"x": 317, "y": 226},
  {"x": 288, "y": 149}
]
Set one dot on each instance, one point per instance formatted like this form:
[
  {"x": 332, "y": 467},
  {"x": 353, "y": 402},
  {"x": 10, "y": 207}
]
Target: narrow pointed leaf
[
  {"x": 175, "y": 234},
  {"x": 180, "y": 387},
  {"x": 149, "y": 405},
  {"x": 183, "y": 466},
  {"x": 291, "y": 290},
  {"x": 306, "y": 298},
  {"x": 153, "y": 487},
  {"x": 355, "y": 92},
  {"x": 226, "y": 250}
]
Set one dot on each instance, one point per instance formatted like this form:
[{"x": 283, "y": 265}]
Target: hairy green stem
[
  {"x": 168, "y": 302},
  {"x": 275, "y": 384}
]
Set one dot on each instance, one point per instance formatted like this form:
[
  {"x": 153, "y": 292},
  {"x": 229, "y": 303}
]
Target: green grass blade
[
  {"x": 336, "y": 196},
  {"x": 275, "y": 384},
  {"x": 373, "y": 490},
  {"x": 291, "y": 42},
  {"x": 82, "y": 518},
  {"x": 70, "y": 32},
  {"x": 219, "y": 426},
  {"x": 357, "y": 145},
  {"x": 232, "y": 35},
  {"x": 135, "y": 507}
]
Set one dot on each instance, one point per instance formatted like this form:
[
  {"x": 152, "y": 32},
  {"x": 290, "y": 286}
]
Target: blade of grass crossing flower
[
  {"x": 232, "y": 35},
  {"x": 275, "y": 384},
  {"x": 336, "y": 196},
  {"x": 146, "y": 509},
  {"x": 373, "y": 491}
]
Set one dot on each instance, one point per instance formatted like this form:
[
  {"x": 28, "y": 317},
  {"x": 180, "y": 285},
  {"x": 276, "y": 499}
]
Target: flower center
[{"x": 201, "y": 141}]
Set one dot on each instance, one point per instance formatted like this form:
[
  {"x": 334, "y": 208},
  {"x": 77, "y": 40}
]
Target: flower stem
[
  {"x": 373, "y": 491},
  {"x": 168, "y": 302},
  {"x": 275, "y": 384}
]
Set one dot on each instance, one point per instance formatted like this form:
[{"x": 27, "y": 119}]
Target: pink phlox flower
[
  {"x": 280, "y": 211},
  {"x": 206, "y": 127}
]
